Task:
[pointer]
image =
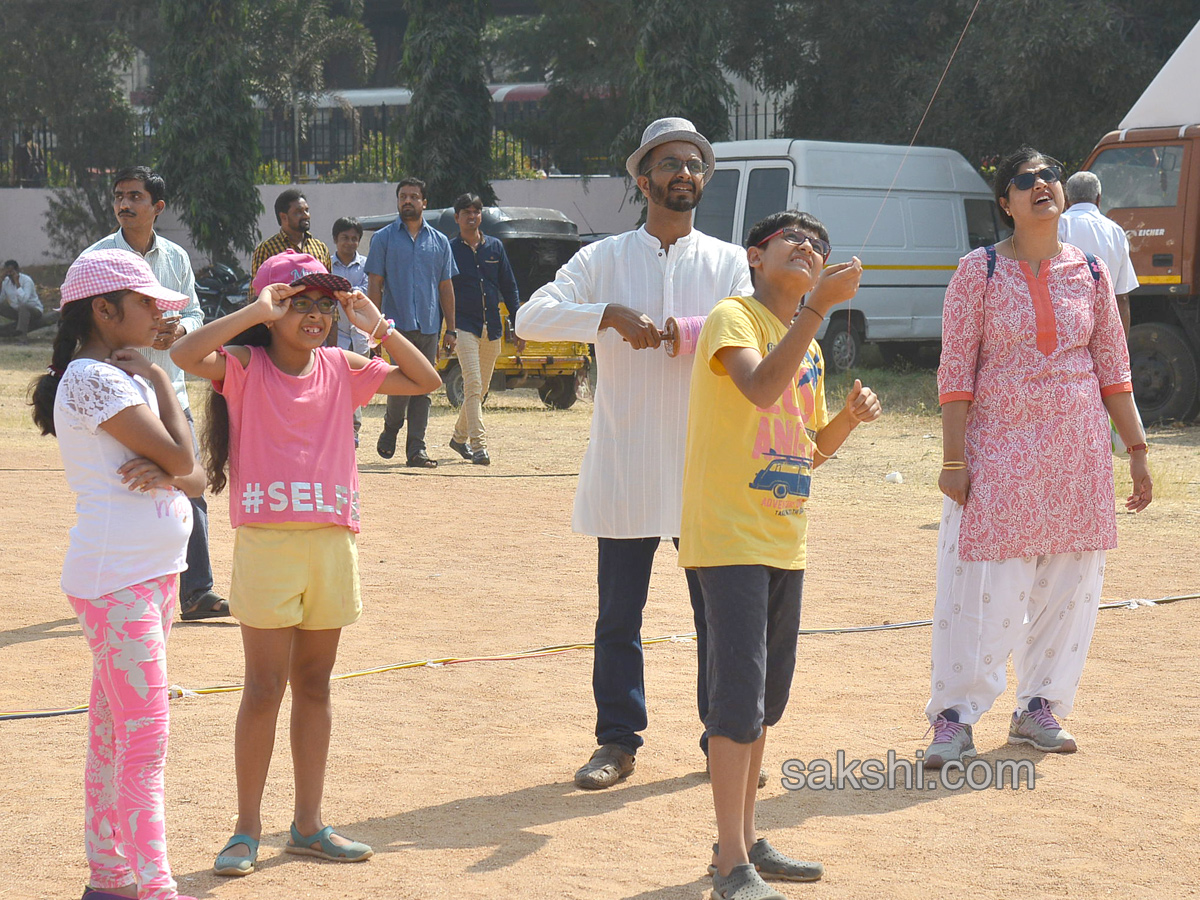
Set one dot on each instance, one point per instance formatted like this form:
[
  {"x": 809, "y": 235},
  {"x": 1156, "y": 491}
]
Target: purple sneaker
[
  {"x": 1038, "y": 728},
  {"x": 951, "y": 743}
]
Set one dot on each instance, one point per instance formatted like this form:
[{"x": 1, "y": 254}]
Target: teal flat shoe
[
  {"x": 237, "y": 865},
  {"x": 303, "y": 846}
]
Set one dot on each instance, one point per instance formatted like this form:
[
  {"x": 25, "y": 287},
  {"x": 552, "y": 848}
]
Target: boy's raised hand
[
  {"x": 862, "y": 404},
  {"x": 360, "y": 311},
  {"x": 273, "y": 301},
  {"x": 836, "y": 284}
]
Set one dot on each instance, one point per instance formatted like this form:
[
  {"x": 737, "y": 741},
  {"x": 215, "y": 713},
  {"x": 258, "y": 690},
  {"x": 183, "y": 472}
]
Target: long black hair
[
  {"x": 74, "y": 329},
  {"x": 214, "y": 436}
]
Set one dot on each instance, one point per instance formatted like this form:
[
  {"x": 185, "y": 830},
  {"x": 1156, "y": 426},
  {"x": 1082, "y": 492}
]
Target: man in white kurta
[{"x": 617, "y": 294}]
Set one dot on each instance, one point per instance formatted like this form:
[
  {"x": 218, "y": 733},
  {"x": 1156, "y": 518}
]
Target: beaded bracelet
[{"x": 373, "y": 341}]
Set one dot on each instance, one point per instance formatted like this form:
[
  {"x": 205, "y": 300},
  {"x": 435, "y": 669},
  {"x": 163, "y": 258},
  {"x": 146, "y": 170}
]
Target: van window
[
  {"x": 714, "y": 215},
  {"x": 1139, "y": 177},
  {"x": 933, "y": 224},
  {"x": 981, "y": 223},
  {"x": 766, "y": 193}
]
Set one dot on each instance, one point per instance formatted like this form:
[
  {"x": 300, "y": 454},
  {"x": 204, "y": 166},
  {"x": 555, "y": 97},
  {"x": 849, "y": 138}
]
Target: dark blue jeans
[
  {"x": 618, "y": 682},
  {"x": 198, "y": 576}
]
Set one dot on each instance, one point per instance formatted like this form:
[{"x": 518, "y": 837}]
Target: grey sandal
[
  {"x": 770, "y": 863},
  {"x": 743, "y": 883}
]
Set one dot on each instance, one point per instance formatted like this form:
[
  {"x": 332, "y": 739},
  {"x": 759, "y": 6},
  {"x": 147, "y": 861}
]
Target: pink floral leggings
[{"x": 127, "y": 736}]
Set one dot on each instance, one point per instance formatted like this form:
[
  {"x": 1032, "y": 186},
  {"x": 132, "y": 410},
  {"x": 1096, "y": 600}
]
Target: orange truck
[{"x": 1149, "y": 174}]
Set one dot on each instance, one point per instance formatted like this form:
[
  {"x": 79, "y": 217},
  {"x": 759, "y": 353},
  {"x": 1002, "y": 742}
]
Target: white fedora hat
[{"x": 662, "y": 131}]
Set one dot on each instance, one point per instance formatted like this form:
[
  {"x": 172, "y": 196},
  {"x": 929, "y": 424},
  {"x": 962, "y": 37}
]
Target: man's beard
[
  {"x": 408, "y": 213},
  {"x": 662, "y": 195}
]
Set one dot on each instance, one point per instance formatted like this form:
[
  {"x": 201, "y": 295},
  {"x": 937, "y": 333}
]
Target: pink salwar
[{"x": 127, "y": 736}]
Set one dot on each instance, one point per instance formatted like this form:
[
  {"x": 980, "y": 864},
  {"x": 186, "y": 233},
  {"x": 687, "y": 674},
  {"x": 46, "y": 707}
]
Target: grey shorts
[{"x": 753, "y": 615}]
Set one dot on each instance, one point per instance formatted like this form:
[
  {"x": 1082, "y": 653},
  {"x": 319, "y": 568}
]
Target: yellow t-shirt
[{"x": 747, "y": 470}]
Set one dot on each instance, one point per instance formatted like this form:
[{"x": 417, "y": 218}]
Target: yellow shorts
[{"x": 300, "y": 575}]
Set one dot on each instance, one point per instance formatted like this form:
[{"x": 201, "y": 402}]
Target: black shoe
[
  {"x": 421, "y": 461},
  {"x": 608, "y": 765},
  {"x": 206, "y": 605},
  {"x": 461, "y": 449},
  {"x": 386, "y": 445},
  {"x": 481, "y": 458}
]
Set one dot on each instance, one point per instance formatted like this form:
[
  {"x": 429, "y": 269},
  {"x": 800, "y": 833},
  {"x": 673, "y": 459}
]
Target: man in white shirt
[
  {"x": 19, "y": 301},
  {"x": 137, "y": 199},
  {"x": 617, "y": 294},
  {"x": 1093, "y": 232}
]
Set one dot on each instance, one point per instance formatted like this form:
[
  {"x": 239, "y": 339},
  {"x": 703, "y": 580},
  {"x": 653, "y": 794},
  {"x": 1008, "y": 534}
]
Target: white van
[{"x": 938, "y": 209}]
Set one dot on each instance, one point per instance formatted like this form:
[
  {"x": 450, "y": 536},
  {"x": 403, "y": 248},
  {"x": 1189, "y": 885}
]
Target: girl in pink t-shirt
[
  {"x": 276, "y": 418},
  {"x": 127, "y": 454}
]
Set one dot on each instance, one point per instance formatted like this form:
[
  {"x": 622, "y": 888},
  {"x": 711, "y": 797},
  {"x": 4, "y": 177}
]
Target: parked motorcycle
[{"x": 221, "y": 290}]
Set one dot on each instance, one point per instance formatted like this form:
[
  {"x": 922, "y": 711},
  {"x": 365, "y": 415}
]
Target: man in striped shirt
[{"x": 618, "y": 293}]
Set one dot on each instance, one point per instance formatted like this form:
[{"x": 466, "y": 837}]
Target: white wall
[{"x": 597, "y": 204}]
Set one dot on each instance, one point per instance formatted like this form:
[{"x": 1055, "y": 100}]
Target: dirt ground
[{"x": 460, "y": 775}]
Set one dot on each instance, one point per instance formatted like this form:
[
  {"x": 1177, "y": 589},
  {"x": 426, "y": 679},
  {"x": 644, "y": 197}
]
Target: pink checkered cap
[
  {"x": 117, "y": 270},
  {"x": 287, "y": 267}
]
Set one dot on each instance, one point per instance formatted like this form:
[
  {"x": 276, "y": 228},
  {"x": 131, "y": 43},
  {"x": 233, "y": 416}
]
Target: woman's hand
[
  {"x": 129, "y": 360},
  {"x": 1143, "y": 488},
  {"x": 274, "y": 301},
  {"x": 955, "y": 484},
  {"x": 862, "y": 405},
  {"x": 360, "y": 311},
  {"x": 143, "y": 475}
]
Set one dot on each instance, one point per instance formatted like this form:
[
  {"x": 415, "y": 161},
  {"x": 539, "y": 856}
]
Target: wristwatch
[{"x": 450, "y": 332}]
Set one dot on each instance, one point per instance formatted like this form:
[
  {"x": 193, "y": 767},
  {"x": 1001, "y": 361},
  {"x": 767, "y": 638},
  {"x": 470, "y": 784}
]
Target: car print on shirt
[{"x": 784, "y": 476}]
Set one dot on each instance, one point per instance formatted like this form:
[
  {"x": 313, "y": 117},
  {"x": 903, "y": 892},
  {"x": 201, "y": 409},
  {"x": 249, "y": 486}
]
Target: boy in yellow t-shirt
[{"x": 757, "y": 427}]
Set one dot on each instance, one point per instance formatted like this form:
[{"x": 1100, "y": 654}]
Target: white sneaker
[
  {"x": 1038, "y": 728},
  {"x": 951, "y": 743}
]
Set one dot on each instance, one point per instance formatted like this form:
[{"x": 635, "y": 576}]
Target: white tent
[{"x": 1173, "y": 97}]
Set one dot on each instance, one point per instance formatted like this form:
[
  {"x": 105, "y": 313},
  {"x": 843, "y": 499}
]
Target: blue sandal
[
  {"x": 352, "y": 852},
  {"x": 237, "y": 865}
]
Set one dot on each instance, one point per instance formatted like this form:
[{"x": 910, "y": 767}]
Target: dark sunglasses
[
  {"x": 671, "y": 165},
  {"x": 799, "y": 238},
  {"x": 326, "y": 305},
  {"x": 1026, "y": 180}
]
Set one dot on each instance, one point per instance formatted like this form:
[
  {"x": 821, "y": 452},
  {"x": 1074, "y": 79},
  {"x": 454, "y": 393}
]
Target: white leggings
[{"x": 1040, "y": 609}]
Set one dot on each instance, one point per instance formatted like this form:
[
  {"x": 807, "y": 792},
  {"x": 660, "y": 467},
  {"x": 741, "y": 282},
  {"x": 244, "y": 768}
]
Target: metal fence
[{"x": 363, "y": 144}]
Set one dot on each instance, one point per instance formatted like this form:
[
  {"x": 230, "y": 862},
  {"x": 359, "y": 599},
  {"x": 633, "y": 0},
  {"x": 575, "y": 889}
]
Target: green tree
[
  {"x": 292, "y": 42},
  {"x": 448, "y": 132},
  {"x": 207, "y": 142},
  {"x": 1056, "y": 73},
  {"x": 674, "y": 71}
]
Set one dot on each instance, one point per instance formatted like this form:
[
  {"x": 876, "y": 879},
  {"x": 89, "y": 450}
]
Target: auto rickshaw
[{"x": 538, "y": 242}]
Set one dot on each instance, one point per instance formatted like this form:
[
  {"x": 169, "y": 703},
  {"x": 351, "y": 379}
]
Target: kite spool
[{"x": 680, "y": 335}]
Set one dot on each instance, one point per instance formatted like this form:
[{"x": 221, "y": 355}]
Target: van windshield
[{"x": 1139, "y": 177}]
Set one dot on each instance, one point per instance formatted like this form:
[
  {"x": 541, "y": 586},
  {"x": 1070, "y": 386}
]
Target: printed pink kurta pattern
[{"x": 1035, "y": 354}]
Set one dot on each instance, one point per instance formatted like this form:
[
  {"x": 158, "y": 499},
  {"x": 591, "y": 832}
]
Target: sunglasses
[
  {"x": 799, "y": 239},
  {"x": 1026, "y": 180},
  {"x": 671, "y": 165},
  {"x": 325, "y": 305}
]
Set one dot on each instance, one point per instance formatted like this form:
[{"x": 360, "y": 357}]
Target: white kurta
[
  {"x": 1093, "y": 232},
  {"x": 631, "y": 479}
]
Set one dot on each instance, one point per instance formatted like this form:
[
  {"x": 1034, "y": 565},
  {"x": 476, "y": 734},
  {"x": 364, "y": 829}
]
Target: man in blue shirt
[
  {"x": 409, "y": 272},
  {"x": 484, "y": 278},
  {"x": 351, "y": 265}
]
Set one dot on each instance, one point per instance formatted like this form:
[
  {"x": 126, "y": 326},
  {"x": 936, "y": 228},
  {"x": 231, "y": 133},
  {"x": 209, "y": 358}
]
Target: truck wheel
[
  {"x": 558, "y": 391},
  {"x": 1164, "y": 371},
  {"x": 452, "y": 378},
  {"x": 842, "y": 347}
]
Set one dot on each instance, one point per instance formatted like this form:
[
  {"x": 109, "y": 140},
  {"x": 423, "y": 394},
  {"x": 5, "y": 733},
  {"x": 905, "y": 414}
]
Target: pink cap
[
  {"x": 292, "y": 267},
  {"x": 117, "y": 270}
]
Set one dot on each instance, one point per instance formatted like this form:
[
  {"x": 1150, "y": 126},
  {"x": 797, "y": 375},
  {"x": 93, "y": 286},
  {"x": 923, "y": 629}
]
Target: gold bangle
[{"x": 953, "y": 465}]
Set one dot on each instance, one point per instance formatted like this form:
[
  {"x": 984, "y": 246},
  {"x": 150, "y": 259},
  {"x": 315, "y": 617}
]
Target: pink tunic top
[
  {"x": 1035, "y": 355},
  {"x": 291, "y": 447}
]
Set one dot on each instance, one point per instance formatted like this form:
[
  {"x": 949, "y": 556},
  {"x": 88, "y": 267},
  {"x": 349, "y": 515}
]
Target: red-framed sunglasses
[{"x": 799, "y": 239}]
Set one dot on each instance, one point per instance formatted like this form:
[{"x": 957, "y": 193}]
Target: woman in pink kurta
[{"x": 1033, "y": 364}]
